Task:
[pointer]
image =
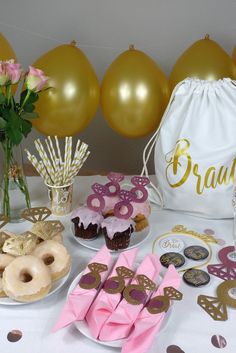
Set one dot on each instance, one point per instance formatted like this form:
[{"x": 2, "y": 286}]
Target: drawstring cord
[{"x": 151, "y": 143}]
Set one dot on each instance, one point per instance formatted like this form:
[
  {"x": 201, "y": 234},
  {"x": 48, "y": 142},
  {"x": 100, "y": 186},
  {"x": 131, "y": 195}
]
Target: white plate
[
  {"x": 136, "y": 239},
  {"x": 55, "y": 287},
  {"x": 82, "y": 326}
]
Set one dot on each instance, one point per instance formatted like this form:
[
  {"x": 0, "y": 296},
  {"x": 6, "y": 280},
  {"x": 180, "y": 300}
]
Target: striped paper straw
[
  {"x": 76, "y": 148},
  {"x": 52, "y": 168},
  {"x": 79, "y": 154},
  {"x": 58, "y": 150},
  {"x": 52, "y": 156},
  {"x": 76, "y": 168},
  {"x": 38, "y": 166},
  {"x": 52, "y": 148},
  {"x": 45, "y": 159},
  {"x": 68, "y": 150}
]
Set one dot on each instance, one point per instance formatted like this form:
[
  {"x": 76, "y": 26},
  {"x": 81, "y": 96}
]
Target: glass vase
[{"x": 14, "y": 190}]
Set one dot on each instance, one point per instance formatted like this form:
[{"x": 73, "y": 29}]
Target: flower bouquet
[{"x": 15, "y": 124}]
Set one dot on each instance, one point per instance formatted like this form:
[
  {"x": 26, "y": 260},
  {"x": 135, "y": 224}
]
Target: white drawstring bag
[{"x": 195, "y": 149}]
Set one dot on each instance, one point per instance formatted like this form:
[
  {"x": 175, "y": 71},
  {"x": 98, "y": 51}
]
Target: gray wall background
[{"x": 105, "y": 28}]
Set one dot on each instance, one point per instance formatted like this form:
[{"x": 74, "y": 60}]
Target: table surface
[{"x": 189, "y": 328}]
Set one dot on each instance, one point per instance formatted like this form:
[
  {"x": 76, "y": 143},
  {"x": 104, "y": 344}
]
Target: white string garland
[
  {"x": 52, "y": 39},
  {"x": 81, "y": 45}
]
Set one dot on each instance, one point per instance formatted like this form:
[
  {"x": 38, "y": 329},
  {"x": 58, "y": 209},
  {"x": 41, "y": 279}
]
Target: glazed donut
[
  {"x": 5, "y": 259},
  {"x": 26, "y": 279},
  {"x": 55, "y": 256}
]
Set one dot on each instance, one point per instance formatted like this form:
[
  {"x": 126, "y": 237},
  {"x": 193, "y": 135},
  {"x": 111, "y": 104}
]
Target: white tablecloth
[{"x": 189, "y": 327}]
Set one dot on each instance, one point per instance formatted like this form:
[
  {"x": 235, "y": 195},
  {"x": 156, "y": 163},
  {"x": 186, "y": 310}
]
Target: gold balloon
[
  {"x": 134, "y": 94},
  {"x": 205, "y": 60},
  {"x": 67, "y": 107},
  {"x": 6, "y": 51}
]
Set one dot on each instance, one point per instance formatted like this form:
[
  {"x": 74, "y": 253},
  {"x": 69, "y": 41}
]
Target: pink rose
[
  {"x": 4, "y": 77},
  {"x": 14, "y": 71},
  {"x": 35, "y": 79}
]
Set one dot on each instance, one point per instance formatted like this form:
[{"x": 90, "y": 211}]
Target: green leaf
[
  {"x": 2, "y": 98},
  {"x": 47, "y": 88},
  {"x": 29, "y": 108},
  {"x": 2, "y": 123},
  {"x": 15, "y": 136},
  {"x": 32, "y": 98},
  {"x": 13, "y": 126},
  {"x": 6, "y": 114},
  {"x": 26, "y": 127},
  {"x": 29, "y": 116}
]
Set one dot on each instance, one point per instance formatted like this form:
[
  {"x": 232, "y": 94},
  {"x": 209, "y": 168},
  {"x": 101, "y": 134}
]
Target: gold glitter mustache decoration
[
  {"x": 20, "y": 245},
  {"x": 47, "y": 229},
  {"x": 216, "y": 307},
  {"x": 116, "y": 284},
  {"x": 161, "y": 303},
  {"x": 135, "y": 294},
  {"x": 36, "y": 214},
  {"x": 92, "y": 279},
  {"x": 3, "y": 220}
]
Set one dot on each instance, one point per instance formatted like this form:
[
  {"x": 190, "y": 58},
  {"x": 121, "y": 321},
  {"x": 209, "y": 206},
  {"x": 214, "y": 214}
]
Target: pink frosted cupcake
[
  {"x": 117, "y": 232},
  {"x": 87, "y": 222}
]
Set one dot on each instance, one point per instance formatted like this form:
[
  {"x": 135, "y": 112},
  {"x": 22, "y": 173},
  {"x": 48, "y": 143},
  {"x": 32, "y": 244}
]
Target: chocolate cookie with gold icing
[{"x": 172, "y": 258}]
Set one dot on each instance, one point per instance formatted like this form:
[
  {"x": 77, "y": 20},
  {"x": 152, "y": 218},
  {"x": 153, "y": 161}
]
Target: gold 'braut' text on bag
[{"x": 195, "y": 149}]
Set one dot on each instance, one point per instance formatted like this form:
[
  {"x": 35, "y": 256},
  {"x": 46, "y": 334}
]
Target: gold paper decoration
[
  {"x": 47, "y": 229},
  {"x": 20, "y": 245},
  {"x": 161, "y": 303},
  {"x": 3, "y": 237},
  {"x": 36, "y": 214},
  {"x": 144, "y": 284},
  {"x": 216, "y": 307},
  {"x": 205, "y": 237},
  {"x": 123, "y": 273},
  {"x": 92, "y": 279},
  {"x": 3, "y": 220}
]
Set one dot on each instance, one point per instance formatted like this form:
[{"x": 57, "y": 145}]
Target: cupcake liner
[
  {"x": 88, "y": 233},
  {"x": 120, "y": 240}
]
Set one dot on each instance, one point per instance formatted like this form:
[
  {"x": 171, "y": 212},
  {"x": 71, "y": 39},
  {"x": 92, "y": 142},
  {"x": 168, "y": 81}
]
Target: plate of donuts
[
  {"x": 136, "y": 239},
  {"x": 35, "y": 276}
]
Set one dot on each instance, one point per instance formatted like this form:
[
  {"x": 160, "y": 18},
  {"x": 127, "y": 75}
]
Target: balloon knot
[
  {"x": 73, "y": 43},
  {"x": 207, "y": 36}
]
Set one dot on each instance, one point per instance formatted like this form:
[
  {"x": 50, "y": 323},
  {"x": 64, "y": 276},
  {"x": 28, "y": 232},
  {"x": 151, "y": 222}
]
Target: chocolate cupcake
[
  {"x": 86, "y": 222},
  {"x": 117, "y": 232}
]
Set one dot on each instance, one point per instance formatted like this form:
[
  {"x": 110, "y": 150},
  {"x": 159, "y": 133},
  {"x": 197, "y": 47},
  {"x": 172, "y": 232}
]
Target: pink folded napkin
[
  {"x": 149, "y": 321},
  {"x": 111, "y": 294},
  {"x": 120, "y": 322},
  {"x": 82, "y": 296}
]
